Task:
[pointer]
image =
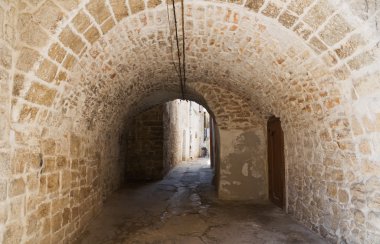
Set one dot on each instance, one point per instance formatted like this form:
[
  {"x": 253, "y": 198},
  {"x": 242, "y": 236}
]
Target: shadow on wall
[{"x": 163, "y": 136}]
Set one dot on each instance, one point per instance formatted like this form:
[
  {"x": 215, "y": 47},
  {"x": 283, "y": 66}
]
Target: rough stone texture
[
  {"x": 145, "y": 146},
  {"x": 328, "y": 108}
]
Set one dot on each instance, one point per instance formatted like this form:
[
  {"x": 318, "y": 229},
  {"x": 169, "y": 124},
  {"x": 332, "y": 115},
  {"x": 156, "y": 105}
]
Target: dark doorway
[{"x": 276, "y": 162}]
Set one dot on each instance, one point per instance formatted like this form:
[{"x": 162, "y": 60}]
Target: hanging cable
[
  {"x": 171, "y": 41},
  {"x": 183, "y": 45},
  {"x": 178, "y": 50}
]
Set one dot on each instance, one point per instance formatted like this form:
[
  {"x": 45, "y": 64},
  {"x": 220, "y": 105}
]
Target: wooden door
[{"x": 276, "y": 162}]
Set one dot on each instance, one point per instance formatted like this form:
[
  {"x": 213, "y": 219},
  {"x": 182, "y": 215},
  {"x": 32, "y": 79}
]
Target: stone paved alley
[{"x": 182, "y": 208}]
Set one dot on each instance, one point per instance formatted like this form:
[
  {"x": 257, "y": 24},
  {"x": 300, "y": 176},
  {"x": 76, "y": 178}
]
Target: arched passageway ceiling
[
  {"x": 228, "y": 109},
  {"x": 285, "y": 57}
]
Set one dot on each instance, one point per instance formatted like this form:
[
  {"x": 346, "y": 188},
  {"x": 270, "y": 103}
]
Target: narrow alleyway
[{"x": 183, "y": 208}]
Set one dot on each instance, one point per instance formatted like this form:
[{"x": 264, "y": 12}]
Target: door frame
[{"x": 273, "y": 119}]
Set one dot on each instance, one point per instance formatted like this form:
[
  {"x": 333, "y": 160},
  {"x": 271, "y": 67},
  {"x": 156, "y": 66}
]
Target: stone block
[
  {"x": 32, "y": 182},
  {"x": 47, "y": 70},
  {"x": 318, "y": 14},
  {"x": 3, "y": 212},
  {"x": 68, "y": 4},
  {"x": 153, "y": 3},
  {"x": 56, "y": 222},
  {"x": 81, "y": 21},
  {"x": 75, "y": 143},
  {"x": 374, "y": 202},
  {"x": 62, "y": 163},
  {"x": 255, "y": 5},
  {"x": 28, "y": 114},
  {"x": 33, "y": 35},
  {"x": 57, "y": 53},
  {"x": 303, "y": 30},
  {"x": 13, "y": 233},
  {"x": 71, "y": 40},
  {"x": 3, "y": 189},
  {"x": 41, "y": 94},
  {"x": 317, "y": 45},
  {"x": 26, "y": 59},
  {"x": 5, "y": 57},
  {"x": 53, "y": 182},
  {"x": 44, "y": 210},
  {"x": 98, "y": 10},
  {"x": 136, "y": 6},
  {"x": 18, "y": 82},
  {"x": 343, "y": 196},
  {"x": 119, "y": 9},
  {"x": 48, "y": 147},
  {"x": 69, "y": 61},
  {"x": 287, "y": 19},
  {"x": 349, "y": 47},
  {"x": 361, "y": 60},
  {"x": 298, "y": 6},
  {"x": 16, "y": 208},
  {"x": 271, "y": 10},
  {"x": 107, "y": 25},
  {"x": 335, "y": 30},
  {"x": 49, "y": 15},
  {"x": 17, "y": 187},
  {"x": 92, "y": 35}
]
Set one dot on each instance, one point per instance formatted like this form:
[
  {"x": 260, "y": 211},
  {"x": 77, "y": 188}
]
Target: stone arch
[{"x": 313, "y": 63}]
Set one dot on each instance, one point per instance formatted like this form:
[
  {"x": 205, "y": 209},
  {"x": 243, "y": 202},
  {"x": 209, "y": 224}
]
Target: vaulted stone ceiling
[{"x": 72, "y": 71}]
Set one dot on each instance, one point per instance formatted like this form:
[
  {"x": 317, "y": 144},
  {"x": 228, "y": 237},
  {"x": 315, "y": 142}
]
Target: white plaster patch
[{"x": 244, "y": 170}]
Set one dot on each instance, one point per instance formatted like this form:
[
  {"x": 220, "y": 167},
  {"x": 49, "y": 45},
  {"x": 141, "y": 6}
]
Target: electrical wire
[
  {"x": 178, "y": 49},
  {"x": 183, "y": 44},
  {"x": 171, "y": 41}
]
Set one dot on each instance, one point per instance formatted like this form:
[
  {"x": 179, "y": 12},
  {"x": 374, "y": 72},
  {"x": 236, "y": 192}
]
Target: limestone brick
[
  {"x": 318, "y": 14},
  {"x": 92, "y": 34},
  {"x": 71, "y": 40},
  {"x": 27, "y": 58},
  {"x": 271, "y": 10},
  {"x": 298, "y": 6},
  {"x": 81, "y": 21},
  {"x": 16, "y": 187},
  {"x": 335, "y": 30},
  {"x": 312, "y": 63},
  {"x": 47, "y": 71},
  {"x": 287, "y": 19},
  {"x": 53, "y": 183},
  {"x": 153, "y": 3},
  {"x": 49, "y": 15},
  {"x": 255, "y": 5},
  {"x": 119, "y": 9},
  {"x": 13, "y": 233},
  {"x": 57, "y": 53},
  {"x": 68, "y": 4},
  {"x": 106, "y": 26},
  {"x": 136, "y": 6},
  {"x": 5, "y": 57},
  {"x": 98, "y": 10},
  {"x": 41, "y": 94}
]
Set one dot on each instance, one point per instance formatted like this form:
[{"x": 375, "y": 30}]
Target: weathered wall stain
[{"x": 243, "y": 165}]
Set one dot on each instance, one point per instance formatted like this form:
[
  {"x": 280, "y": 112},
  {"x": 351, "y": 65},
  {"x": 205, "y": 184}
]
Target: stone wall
[
  {"x": 71, "y": 72},
  {"x": 145, "y": 146}
]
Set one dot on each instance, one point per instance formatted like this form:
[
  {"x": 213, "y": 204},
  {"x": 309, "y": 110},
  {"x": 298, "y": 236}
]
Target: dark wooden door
[{"x": 276, "y": 162}]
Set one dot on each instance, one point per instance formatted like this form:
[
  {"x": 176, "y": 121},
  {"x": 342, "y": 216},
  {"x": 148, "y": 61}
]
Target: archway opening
[{"x": 164, "y": 135}]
